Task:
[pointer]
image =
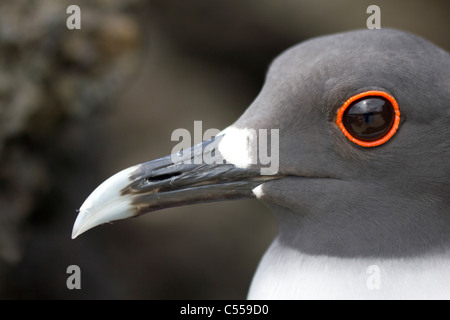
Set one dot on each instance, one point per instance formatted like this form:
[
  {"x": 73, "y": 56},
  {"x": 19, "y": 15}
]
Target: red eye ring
[{"x": 387, "y": 136}]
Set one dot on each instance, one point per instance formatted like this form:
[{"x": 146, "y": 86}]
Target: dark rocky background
[{"x": 77, "y": 106}]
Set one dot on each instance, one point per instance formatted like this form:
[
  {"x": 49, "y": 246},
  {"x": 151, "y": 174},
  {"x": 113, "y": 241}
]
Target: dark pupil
[{"x": 369, "y": 118}]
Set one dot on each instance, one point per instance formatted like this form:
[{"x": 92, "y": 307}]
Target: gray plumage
[
  {"x": 340, "y": 207},
  {"x": 392, "y": 200}
]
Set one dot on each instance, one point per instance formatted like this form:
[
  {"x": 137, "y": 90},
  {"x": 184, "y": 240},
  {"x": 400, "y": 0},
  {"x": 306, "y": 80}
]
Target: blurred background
[{"x": 77, "y": 106}]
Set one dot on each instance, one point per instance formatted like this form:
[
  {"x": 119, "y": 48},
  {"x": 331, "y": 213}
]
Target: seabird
[{"x": 361, "y": 193}]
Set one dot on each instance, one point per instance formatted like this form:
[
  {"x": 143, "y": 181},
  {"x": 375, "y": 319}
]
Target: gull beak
[{"x": 199, "y": 175}]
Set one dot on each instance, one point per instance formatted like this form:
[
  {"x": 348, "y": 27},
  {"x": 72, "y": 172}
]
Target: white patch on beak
[
  {"x": 258, "y": 191},
  {"x": 105, "y": 204},
  {"x": 239, "y": 146}
]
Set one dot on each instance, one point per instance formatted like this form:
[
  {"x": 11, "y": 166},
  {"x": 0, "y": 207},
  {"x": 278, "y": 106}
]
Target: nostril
[{"x": 163, "y": 177}]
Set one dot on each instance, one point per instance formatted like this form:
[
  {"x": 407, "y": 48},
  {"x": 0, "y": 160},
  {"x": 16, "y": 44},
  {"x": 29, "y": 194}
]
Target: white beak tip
[
  {"x": 105, "y": 204},
  {"x": 79, "y": 226}
]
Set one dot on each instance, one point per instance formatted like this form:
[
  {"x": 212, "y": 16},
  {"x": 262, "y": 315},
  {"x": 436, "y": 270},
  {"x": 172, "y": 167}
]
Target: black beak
[{"x": 194, "y": 176}]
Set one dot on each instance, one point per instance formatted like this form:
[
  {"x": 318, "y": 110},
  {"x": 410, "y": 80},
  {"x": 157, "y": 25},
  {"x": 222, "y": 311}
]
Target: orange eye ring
[{"x": 385, "y": 138}]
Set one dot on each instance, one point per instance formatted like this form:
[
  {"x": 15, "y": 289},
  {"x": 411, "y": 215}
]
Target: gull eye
[{"x": 369, "y": 119}]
